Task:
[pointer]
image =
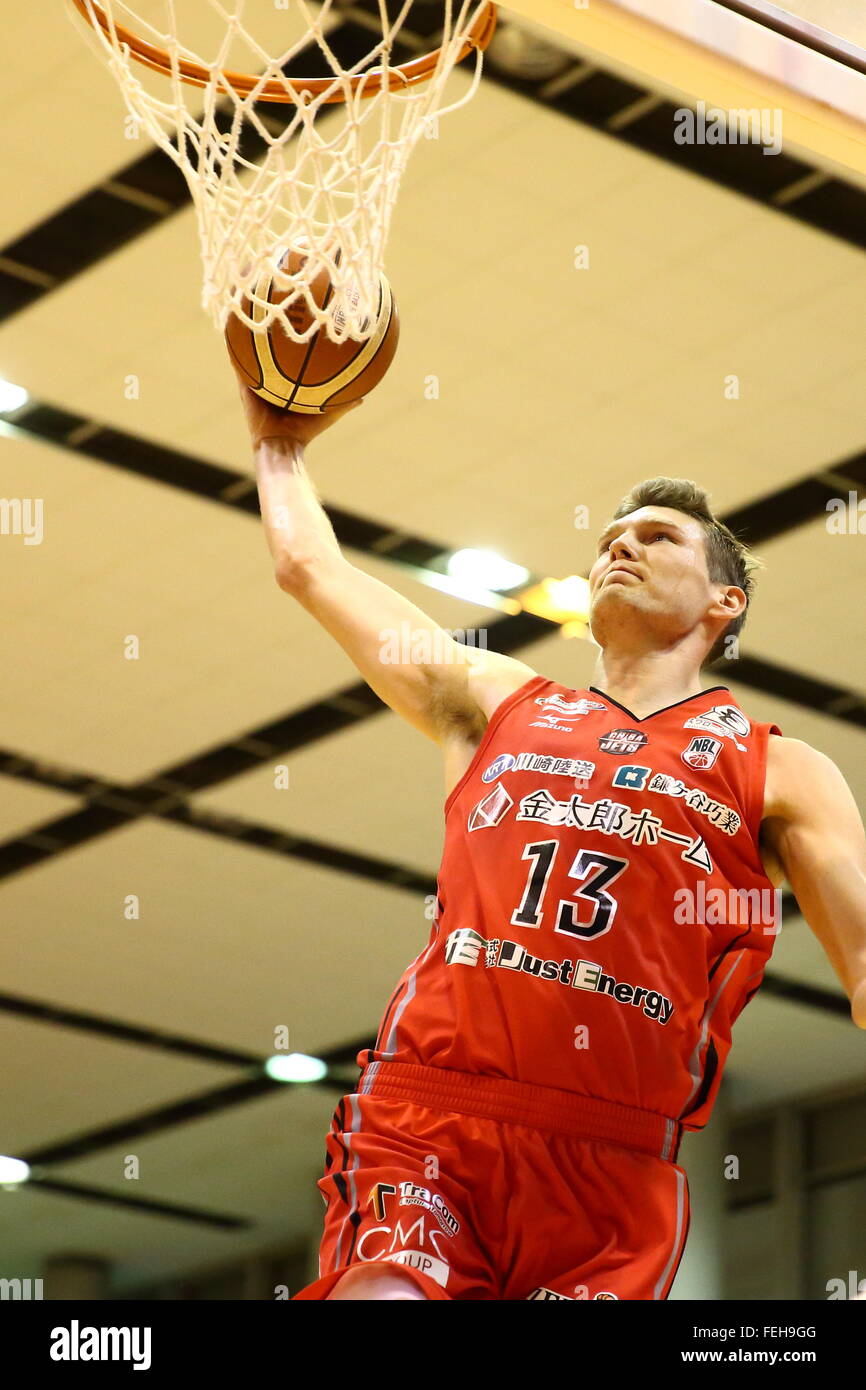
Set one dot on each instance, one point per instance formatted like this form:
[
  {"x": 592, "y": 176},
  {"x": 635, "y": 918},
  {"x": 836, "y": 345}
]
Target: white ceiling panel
[
  {"x": 24, "y": 806},
  {"x": 810, "y": 573},
  {"x": 221, "y": 647},
  {"x": 258, "y": 1161},
  {"x": 829, "y": 1053},
  {"x": 377, "y": 789},
  {"x": 99, "y": 1080},
  {"x": 231, "y": 942}
]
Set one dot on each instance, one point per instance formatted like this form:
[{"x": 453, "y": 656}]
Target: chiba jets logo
[
  {"x": 622, "y": 741},
  {"x": 559, "y": 713},
  {"x": 725, "y": 720},
  {"x": 702, "y": 751}
]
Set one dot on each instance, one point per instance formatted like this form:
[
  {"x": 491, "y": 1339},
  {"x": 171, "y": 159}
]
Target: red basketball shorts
[{"x": 482, "y": 1188}]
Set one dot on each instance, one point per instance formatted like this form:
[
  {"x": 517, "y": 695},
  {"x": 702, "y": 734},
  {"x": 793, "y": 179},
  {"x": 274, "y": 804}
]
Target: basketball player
[{"x": 604, "y": 912}]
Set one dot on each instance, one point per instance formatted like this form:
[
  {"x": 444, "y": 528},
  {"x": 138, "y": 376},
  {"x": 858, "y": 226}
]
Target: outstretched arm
[
  {"x": 442, "y": 687},
  {"x": 812, "y": 823}
]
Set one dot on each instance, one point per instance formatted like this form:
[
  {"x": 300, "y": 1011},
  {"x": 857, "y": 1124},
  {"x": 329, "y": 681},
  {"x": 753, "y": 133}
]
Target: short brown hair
[{"x": 729, "y": 560}]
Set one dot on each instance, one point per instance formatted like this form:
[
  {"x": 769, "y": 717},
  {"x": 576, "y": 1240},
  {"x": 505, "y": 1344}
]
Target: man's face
[{"x": 649, "y": 584}]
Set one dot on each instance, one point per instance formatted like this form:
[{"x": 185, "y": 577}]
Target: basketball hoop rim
[{"x": 242, "y": 84}]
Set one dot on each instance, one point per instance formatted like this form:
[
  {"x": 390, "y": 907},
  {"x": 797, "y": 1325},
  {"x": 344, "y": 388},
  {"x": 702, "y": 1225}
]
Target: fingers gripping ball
[{"x": 318, "y": 375}]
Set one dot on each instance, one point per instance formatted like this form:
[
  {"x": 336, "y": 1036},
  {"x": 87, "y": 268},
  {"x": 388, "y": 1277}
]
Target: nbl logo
[{"x": 702, "y": 752}]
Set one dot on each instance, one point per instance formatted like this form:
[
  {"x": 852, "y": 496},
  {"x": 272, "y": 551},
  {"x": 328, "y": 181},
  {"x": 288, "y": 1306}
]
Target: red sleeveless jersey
[{"x": 602, "y": 911}]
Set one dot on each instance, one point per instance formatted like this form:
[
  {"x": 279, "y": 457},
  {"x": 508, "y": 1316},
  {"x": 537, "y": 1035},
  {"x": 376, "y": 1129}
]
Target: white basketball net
[{"x": 321, "y": 178}]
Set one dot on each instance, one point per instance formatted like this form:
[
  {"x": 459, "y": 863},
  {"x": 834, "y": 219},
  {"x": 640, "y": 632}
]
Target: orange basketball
[{"x": 318, "y": 375}]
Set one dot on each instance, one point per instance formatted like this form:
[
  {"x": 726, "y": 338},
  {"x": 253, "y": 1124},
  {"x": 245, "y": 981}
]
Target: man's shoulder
[
  {"x": 795, "y": 753},
  {"x": 794, "y": 768},
  {"x": 494, "y": 677}
]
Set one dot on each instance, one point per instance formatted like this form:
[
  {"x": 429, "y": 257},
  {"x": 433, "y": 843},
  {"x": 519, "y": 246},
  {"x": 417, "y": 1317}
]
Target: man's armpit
[{"x": 452, "y": 708}]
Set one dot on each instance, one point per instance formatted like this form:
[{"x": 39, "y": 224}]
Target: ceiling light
[
  {"x": 297, "y": 1066},
  {"x": 12, "y": 397},
  {"x": 13, "y": 1171},
  {"x": 559, "y": 600},
  {"x": 472, "y": 593},
  {"x": 485, "y": 569}
]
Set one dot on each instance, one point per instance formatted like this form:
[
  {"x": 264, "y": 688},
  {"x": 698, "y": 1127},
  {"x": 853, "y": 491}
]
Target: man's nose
[{"x": 622, "y": 548}]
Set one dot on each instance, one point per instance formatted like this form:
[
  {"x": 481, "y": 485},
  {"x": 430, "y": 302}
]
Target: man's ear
[{"x": 730, "y": 601}]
